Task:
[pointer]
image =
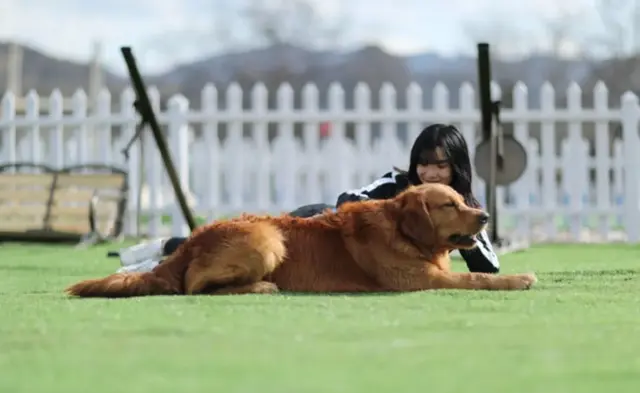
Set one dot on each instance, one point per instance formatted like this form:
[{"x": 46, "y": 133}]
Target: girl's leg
[
  {"x": 145, "y": 256},
  {"x": 172, "y": 244},
  {"x": 155, "y": 249},
  {"x": 310, "y": 210}
]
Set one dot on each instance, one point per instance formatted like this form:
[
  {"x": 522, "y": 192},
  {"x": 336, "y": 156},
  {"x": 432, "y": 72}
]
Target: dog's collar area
[{"x": 425, "y": 251}]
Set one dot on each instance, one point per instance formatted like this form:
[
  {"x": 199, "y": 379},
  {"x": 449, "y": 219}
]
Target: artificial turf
[{"x": 577, "y": 330}]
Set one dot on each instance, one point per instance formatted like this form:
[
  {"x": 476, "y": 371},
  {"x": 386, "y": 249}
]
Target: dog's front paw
[
  {"x": 265, "y": 287},
  {"x": 524, "y": 281}
]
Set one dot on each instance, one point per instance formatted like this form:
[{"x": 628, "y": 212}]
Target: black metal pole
[
  {"x": 484, "y": 88},
  {"x": 143, "y": 106},
  {"x": 486, "y": 106}
]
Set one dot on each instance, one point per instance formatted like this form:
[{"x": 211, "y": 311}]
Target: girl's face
[{"x": 437, "y": 170}]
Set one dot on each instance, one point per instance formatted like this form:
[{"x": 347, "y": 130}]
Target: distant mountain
[
  {"x": 426, "y": 63},
  {"x": 276, "y": 64},
  {"x": 44, "y": 73}
]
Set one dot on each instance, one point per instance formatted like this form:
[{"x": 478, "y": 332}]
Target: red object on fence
[{"x": 325, "y": 129}]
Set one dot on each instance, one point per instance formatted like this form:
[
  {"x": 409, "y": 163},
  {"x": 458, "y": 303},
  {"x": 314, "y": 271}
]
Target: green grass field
[{"x": 578, "y": 330}]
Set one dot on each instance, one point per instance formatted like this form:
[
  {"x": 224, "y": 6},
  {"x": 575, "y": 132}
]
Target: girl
[{"x": 438, "y": 155}]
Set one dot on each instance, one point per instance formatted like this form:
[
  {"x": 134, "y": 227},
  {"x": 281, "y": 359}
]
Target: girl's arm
[
  {"x": 482, "y": 258},
  {"x": 385, "y": 187}
]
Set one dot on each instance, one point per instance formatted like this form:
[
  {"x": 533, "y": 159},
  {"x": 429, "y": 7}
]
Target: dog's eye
[{"x": 450, "y": 204}]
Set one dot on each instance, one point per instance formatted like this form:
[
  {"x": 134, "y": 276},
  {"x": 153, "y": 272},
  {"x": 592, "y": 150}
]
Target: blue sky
[{"x": 68, "y": 28}]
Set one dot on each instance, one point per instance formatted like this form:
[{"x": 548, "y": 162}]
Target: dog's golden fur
[{"x": 395, "y": 245}]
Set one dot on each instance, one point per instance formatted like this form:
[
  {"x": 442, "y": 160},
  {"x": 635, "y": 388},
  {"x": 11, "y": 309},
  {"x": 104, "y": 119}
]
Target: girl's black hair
[{"x": 454, "y": 147}]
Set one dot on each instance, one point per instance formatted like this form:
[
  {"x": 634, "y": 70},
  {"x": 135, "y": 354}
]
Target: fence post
[
  {"x": 630, "y": 117},
  {"x": 179, "y": 147},
  {"x": 56, "y": 134},
  {"x": 32, "y": 112},
  {"x": 102, "y": 130},
  {"x": 212, "y": 151},
  {"x": 127, "y": 111},
  {"x": 10, "y": 139},
  {"x": 153, "y": 170},
  {"x": 83, "y": 150}
]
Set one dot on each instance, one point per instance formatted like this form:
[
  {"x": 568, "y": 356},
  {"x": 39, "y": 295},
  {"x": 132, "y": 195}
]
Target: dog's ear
[{"x": 415, "y": 223}]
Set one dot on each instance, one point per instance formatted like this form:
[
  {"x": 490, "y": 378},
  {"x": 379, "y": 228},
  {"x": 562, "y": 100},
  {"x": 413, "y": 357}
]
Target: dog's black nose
[{"x": 484, "y": 218}]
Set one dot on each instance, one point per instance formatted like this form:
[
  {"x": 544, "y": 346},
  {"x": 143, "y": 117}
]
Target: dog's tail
[{"x": 123, "y": 285}]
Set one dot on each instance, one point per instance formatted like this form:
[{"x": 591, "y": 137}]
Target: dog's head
[{"x": 435, "y": 216}]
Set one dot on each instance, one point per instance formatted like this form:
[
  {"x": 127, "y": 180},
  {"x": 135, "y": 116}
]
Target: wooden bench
[{"x": 76, "y": 204}]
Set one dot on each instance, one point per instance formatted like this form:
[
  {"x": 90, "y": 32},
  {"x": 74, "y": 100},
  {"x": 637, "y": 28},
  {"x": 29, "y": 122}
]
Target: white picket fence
[{"x": 595, "y": 198}]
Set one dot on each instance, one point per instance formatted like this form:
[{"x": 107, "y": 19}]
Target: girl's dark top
[{"x": 479, "y": 259}]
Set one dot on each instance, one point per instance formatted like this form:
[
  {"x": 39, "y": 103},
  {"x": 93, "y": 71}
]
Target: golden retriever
[{"x": 394, "y": 245}]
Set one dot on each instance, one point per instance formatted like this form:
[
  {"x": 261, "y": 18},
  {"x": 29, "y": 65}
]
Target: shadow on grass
[
  {"x": 625, "y": 274},
  {"x": 594, "y": 273},
  {"x": 548, "y": 277},
  {"x": 339, "y": 294},
  {"x": 29, "y": 268},
  {"x": 280, "y": 294}
]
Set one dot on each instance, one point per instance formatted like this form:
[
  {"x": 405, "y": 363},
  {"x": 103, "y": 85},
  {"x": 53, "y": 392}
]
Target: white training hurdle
[{"x": 582, "y": 179}]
